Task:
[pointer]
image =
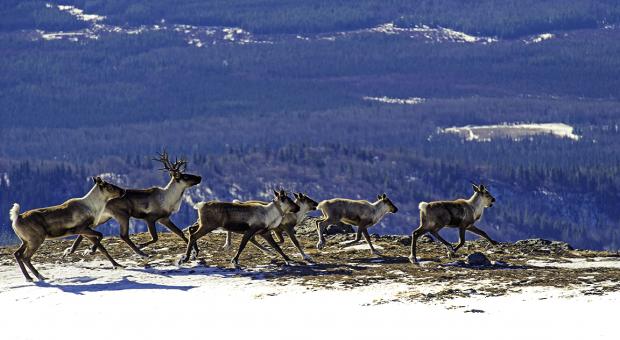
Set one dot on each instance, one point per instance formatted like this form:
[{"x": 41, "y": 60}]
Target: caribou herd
[{"x": 105, "y": 201}]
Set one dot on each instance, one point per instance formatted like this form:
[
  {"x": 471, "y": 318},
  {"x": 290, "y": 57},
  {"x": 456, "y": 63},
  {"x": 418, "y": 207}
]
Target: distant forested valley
[{"x": 332, "y": 98}]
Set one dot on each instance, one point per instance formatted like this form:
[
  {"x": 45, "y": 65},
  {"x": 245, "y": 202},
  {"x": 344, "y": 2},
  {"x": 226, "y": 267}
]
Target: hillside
[
  {"x": 334, "y": 98},
  {"x": 534, "y": 281}
]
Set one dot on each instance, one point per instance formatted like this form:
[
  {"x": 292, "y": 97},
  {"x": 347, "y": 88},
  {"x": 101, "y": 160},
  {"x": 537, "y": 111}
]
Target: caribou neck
[
  {"x": 476, "y": 202},
  {"x": 380, "y": 210},
  {"x": 303, "y": 210},
  {"x": 274, "y": 213},
  {"x": 174, "y": 190},
  {"x": 94, "y": 200}
]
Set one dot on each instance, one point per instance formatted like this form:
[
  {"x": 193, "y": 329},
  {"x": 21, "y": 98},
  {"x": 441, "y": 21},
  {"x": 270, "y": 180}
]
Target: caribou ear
[
  {"x": 482, "y": 188},
  {"x": 476, "y": 188},
  {"x": 378, "y": 197},
  {"x": 282, "y": 192},
  {"x": 275, "y": 193},
  {"x": 384, "y": 196}
]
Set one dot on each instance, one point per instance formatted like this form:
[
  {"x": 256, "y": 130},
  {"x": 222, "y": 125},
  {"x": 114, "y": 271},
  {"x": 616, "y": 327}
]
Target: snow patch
[
  {"x": 402, "y": 101},
  {"x": 485, "y": 133},
  {"x": 539, "y": 38},
  {"x": 572, "y": 263},
  {"x": 437, "y": 34},
  {"x": 79, "y": 13}
]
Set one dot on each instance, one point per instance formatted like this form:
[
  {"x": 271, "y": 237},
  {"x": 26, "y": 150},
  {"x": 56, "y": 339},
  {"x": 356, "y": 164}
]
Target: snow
[
  {"x": 572, "y": 263},
  {"x": 79, "y": 14},
  {"x": 436, "y": 34},
  {"x": 166, "y": 302},
  {"x": 539, "y": 38},
  {"x": 197, "y": 36},
  {"x": 402, "y": 101},
  {"x": 483, "y": 133}
]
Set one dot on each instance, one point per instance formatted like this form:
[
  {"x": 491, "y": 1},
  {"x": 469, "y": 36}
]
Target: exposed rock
[
  {"x": 339, "y": 228},
  {"x": 539, "y": 244},
  {"x": 406, "y": 240},
  {"x": 478, "y": 259}
]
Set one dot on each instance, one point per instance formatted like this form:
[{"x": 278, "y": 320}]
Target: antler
[{"x": 177, "y": 166}]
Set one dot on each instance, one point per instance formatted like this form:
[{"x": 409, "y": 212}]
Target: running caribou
[
  {"x": 151, "y": 205},
  {"x": 248, "y": 219},
  {"x": 461, "y": 213},
  {"x": 288, "y": 224},
  {"x": 361, "y": 213},
  {"x": 74, "y": 217}
]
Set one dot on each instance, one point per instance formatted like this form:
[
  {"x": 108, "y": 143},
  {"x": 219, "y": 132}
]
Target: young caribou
[
  {"x": 361, "y": 213},
  {"x": 460, "y": 213},
  {"x": 288, "y": 224},
  {"x": 244, "y": 218},
  {"x": 151, "y": 205},
  {"x": 74, "y": 217}
]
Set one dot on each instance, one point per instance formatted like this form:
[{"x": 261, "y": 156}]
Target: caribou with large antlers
[
  {"x": 461, "y": 213},
  {"x": 151, "y": 205},
  {"x": 74, "y": 217}
]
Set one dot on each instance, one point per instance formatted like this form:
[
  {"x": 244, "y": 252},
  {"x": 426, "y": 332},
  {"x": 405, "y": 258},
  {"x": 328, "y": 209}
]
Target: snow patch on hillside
[
  {"x": 79, "y": 13},
  {"x": 485, "y": 133},
  {"x": 197, "y": 36},
  {"x": 539, "y": 38},
  {"x": 436, "y": 34},
  {"x": 402, "y": 101}
]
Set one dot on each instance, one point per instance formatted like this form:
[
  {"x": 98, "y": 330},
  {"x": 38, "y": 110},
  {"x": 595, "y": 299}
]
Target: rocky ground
[{"x": 478, "y": 269}]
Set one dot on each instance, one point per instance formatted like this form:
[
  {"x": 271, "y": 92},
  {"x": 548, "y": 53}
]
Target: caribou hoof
[
  {"x": 375, "y": 252},
  {"x": 307, "y": 257},
  {"x": 117, "y": 266},
  {"x": 227, "y": 246},
  {"x": 193, "y": 254},
  {"x": 413, "y": 260},
  {"x": 181, "y": 260},
  {"x": 88, "y": 252},
  {"x": 67, "y": 252},
  {"x": 320, "y": 245}
]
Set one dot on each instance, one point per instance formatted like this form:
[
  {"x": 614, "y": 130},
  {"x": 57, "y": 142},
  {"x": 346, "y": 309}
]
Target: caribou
[
  {"x": 361, "y": 213},
  {"x": 248, "y": 219},
  {"x": 288, "y": 224},
  {"x": 73, "y": 217},
  {"x": 151, "y": 205},
  {"x": 460, "y": 213}
]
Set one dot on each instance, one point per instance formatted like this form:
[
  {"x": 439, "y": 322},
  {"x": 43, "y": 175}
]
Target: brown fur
[
  {"x": 245, "y": 218},
  {"x": 459, "y": 213},
  {"x": 288, "y": 224},
  {"x": 73, "y": 217},
  {"x": 360, "y": 213},
  {"x": 151, "y": 205}
]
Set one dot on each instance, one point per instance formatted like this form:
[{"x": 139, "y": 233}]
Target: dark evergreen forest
[{"x": 286, "y": 107}]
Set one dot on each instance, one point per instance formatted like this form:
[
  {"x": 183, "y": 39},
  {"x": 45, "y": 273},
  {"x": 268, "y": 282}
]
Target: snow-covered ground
[
  {"x": 485, "y": 133},
  {"x": 579, "y": 263},
  {"x": 88, "y": 299}
]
